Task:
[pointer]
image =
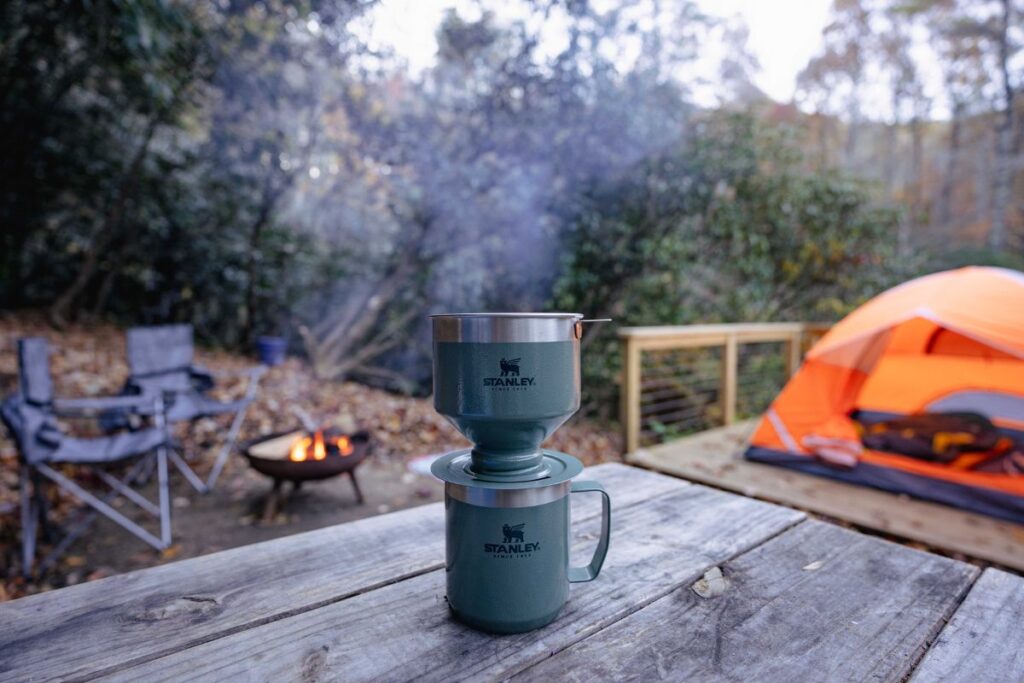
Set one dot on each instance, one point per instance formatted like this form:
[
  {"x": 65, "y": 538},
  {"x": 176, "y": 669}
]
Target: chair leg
[
  {"x": 229, "y": 444},
  {"x": 165, "y": 496},
  {"x": 29, "y": 521},
  {"x": 88, "y": 516},
  {"x": 102, "y": 507},
  {"x": 122, "y": 488},
  {"x": 146, "y": 472},
  {"x": 186, "y": 471},
  {"x": 45, "y": 528}
]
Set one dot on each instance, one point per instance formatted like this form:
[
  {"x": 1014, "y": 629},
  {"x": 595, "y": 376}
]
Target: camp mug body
[
  {"x": 507, "y": 381},
  {"x": 507, "y": 561}
]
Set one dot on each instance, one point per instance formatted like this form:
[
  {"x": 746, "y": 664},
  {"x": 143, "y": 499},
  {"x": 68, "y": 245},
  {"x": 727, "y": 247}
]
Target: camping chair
[
  {"x": 161, "y": 364},
  {"x": 30, "y": 416}
]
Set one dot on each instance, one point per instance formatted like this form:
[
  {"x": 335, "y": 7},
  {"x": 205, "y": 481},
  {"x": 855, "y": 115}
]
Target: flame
[
  {"x": 319, "y": 450},
  {"x": 298, "y": 453},
  {"x": 316, "y": 447}
]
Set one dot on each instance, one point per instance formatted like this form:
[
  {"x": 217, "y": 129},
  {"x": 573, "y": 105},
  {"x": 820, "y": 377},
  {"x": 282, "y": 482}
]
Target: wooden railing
[{"x": 684, "y": 378}]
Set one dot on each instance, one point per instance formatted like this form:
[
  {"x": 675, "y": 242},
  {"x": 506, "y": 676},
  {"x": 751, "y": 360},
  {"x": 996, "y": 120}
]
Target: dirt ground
[
  {"x": 90, "y": 360},
  {"x": 233, "y": 515}
]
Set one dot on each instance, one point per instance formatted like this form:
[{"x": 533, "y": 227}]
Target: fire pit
[{"x": 301, "y": 455}]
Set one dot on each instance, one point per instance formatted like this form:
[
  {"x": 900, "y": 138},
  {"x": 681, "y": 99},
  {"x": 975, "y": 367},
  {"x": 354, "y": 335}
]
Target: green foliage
[
  {"x": 144, "y": 168},
  {"x": 727, "y": 227},
  {"x": 958, "y": 258},
  {"x": 86, "y": 91}
]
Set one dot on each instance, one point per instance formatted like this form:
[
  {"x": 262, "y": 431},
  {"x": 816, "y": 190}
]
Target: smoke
[{"x": 468, "y": 177}]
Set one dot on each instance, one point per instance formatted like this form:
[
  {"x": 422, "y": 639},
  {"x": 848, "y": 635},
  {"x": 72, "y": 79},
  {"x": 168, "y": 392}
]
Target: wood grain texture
[
  {"x": 82, "y": 631},
  {"x": 404, "y": 631},
  {"x": 715, "y": 457},
  {"x": 727, "y": 383},
  {"x": 278, "y": 448},
  {"x": 984, "y": 641},
  {"x": 630, "y": 399},
  {"x": 818, "y": 603}
]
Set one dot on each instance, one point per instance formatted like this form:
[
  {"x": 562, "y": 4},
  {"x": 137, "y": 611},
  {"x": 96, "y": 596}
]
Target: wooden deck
[
  {"x": 715, "y": 457},
  {"x": 798, "y": 600}
]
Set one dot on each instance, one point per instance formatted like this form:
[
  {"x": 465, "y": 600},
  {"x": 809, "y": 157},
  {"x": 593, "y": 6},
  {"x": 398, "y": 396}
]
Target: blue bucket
[{"x": 271, "y": 350}]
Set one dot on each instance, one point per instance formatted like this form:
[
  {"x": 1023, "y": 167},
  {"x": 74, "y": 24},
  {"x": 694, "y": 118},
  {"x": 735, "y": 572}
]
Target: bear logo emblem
[
  {"x": 513, "y": 533},
  {"x": 510, "y": 367}
]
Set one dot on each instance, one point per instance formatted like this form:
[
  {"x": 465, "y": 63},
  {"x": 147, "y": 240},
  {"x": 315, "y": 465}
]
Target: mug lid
[
  {"x": 456, "y": 468},
  {"x": 573, "y": 316}
]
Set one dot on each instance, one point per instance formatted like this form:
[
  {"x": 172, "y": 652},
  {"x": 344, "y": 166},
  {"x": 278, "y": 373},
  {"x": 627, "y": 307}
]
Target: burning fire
[
  {"x": 298, "y": 453},
  {"x": 302, "y": 450}
]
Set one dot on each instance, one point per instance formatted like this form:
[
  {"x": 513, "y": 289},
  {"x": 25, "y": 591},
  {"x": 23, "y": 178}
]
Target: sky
[{"x": 784, "y": 34}]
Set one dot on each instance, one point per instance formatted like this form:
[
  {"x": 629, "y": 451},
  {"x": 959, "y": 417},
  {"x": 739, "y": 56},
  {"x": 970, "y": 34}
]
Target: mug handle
[{"x": 590, "y": 572}]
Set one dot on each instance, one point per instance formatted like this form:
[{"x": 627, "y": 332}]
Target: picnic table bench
[{"x": 799, "y": 599}]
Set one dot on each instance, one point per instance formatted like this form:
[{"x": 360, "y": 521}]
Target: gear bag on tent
[{"x": 953, "y": 438}]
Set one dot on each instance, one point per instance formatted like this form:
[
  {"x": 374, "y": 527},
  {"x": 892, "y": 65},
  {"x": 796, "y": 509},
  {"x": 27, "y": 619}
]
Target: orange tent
[{"x": 950, "y": 341}]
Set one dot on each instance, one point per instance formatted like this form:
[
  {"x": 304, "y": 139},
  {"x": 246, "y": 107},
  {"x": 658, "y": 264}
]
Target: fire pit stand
[{"x": 298, "y": 456}]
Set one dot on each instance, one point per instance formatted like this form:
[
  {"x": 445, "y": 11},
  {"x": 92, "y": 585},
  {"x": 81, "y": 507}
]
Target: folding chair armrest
[{"x": 142, "y": 404}]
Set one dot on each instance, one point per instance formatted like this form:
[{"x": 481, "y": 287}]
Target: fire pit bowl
[{"x": 298, "y": 456}]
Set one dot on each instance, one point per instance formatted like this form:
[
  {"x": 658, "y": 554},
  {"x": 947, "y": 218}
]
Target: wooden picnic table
[{"x": 800, "y": 600}]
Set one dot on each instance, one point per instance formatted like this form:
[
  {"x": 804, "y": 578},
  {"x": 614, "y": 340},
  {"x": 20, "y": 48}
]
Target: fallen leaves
[
  {"x": 171, "y": 552},
  {"x": 74, "y": 560}
]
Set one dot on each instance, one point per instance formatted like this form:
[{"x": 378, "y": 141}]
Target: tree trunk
[
  {"x": 345, "y": 342},
  {"x": 108, "y": 231},
  {"x": 916, "y": 178},
  {"x": 103, "y": 294},
  {"x": 852, "y": 130},
  {"x": 945, "y": 207},
  {"x": 1005, "y": 152},
  {"x": 889, "y": 159},
  {"x": 267, "y": 204},
  {"x": 823, "y": 141},
  {"x": 1001, "y": 188},
  {"x": 892, "y": 133}
]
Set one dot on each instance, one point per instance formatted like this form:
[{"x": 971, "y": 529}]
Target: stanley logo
[
  {"x": 509, "y": 376},
  {"x": 513, "y": 544}
]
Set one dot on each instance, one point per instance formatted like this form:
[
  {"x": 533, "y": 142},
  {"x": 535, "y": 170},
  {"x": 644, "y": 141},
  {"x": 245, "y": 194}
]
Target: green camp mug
[
  {"x": 507, "y": 381},
  {"x": 508, "y": 552}
]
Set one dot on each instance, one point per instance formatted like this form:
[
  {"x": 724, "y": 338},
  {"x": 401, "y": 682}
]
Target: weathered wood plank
[
  {"x": 403, "y": 631},
  {"x": 817, "y": 603},
  {"x": 714, "y": 457},
  {"x": 984, "y": 641},
  {"x": 79, "y": 632}
]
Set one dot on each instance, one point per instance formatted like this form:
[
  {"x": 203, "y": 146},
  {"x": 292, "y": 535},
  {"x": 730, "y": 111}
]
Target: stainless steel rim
[
  {"x": 574, "y": 316},
  {"x": 506, "y": 327},
  {"x": 507, "y": 498}
]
